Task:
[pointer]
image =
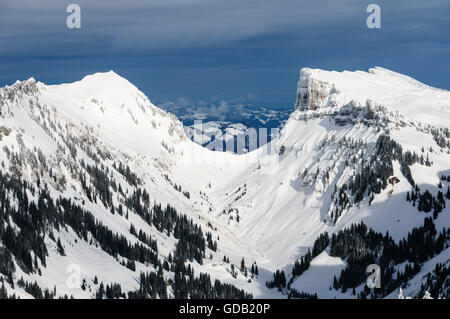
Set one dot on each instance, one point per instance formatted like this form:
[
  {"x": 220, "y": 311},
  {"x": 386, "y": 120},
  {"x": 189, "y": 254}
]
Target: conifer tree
[{"x": 242, "y": 269}]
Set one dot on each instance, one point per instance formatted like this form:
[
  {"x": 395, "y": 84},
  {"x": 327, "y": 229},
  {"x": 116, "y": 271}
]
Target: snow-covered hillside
[{"x": 103, "y": 163}]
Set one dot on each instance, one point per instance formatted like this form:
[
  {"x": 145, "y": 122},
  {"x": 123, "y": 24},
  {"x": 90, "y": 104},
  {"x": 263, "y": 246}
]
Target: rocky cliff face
[{"x": 313, "y": 93}]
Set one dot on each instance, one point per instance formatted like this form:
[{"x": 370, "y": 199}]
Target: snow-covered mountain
[
  {"x": 99, "y": 184},
  {"x": 319, "y": 89}
]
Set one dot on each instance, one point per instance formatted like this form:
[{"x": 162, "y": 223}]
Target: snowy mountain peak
[
  {"x": 319, "y": 89},
  {"x": 105, "y": 85},
  {"x": 109, "y": 76},
  {"x": 23, "y": 85},
  {"x": 106, "y": 104}
]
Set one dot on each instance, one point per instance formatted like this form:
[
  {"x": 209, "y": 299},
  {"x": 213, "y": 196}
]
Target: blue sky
[{"x": 211, "y": 50}]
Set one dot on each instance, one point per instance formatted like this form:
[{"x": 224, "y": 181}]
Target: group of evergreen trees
[
  {"x": 278, "y": 281},
  {"x": 426, "y": 202},
  {"x": 320, "y": 244},
  {"x": 374, "y": 173},
  {"x": 30, "y": 220},
  {"x": 84, "y": 223},
  {"x": 445, "y": 178},
  {"x": 300, "y": 266},
  {"x": 361, "y": 246},
  {"x": 4, "y": 292},
  {"x": 212, "y": 244},
  {"x": 441, "y": 137},
  {"x": 191, "y": 240},
  {"x": 129, "y": 175},
  {"x": 36, "y": 291},
  {"x": 101, "y": 184},
  {"x": 437, "y": 282},
  {"x": 179, "y": 189},
  {"x": 186, "y": 285},
  {"x": 294, "y": 294},
  {"x": 33, "y": 221},
  {"x": 254, "y": 270},
  {"x": 153, "y": 285}
]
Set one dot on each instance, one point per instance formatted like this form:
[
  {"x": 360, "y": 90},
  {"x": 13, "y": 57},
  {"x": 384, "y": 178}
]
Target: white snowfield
[{"x": 267, "y": 206}]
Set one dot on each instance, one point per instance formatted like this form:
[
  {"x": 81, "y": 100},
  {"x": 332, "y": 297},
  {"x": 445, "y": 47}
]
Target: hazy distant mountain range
[{"x": 226, "y": 121}]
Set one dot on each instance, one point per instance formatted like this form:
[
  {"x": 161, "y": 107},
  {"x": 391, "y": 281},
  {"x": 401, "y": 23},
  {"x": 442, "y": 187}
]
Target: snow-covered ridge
[
  {"x": 120, "y": 113},
  {"x": 319, "y": 89}
]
